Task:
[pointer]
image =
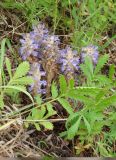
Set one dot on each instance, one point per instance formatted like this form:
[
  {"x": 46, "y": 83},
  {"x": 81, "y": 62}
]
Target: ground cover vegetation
[{"x": 57, "y": 78}]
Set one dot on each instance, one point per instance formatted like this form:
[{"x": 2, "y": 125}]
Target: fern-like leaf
[
  {"x": 106, "y": 102},
  {"x": 101, "y": 62},
  {"x": 65, "y": 105},
  {"x": 22, "y": 81},
  {"x": 63, "y": 84},
  {"x": 72, "y": 131},
  {"x": 54, "y": 90},
  {"x": 22, "y": 70}
]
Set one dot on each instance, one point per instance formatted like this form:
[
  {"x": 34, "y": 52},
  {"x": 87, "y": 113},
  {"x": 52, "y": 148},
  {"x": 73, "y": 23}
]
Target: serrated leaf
[
  {"x": 49, "y": 107},
  {"x": 103, "y": 80},
  {"x": 35, "y": 114},
  {"x": 65, "y": 105},
  {"x": 38, "y": 99},
  {"x": 38, "y": 114},
  {"x": 47, "y": 125},
  {"x": 106, "y": 102},
  {"x": 87, "y": 124},
  {"x": 100, "y": 95},
  {"x": 86, "y": 72},
  {"x": 21, "y": 70},
  {"x": 84, "y": 91},
  {"x": 37, "y": 126},
  {"x": 111, "y": 71},
  {"x": 50, "y": 110},
  {"x": 72, "y": 119},
  {"x": 63, "y": 84},
  {"x": 42, "y": 111},
  {"x": 103, "y": 150},
  {"x": 54, "y": 90},
  {"x": 22, "y": 81},
  {"x": 72, "y": 131},
  {"x": 101, "y": 62},
  {"x": 89, "y": 65},
  {"x": 18, "y": 88},
  {"x": 8, "y": 66},
  {"x": 71, "y": 84}
]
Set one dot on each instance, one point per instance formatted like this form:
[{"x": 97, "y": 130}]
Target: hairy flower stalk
[
  {"x": 69, "y": 62},
  {"x": 38, "y": 87},
  {"x": 91, "y": 51},
  {"x": 50, "y": 58}
]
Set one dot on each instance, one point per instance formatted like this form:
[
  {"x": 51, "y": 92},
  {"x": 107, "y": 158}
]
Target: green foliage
[
  {"x": 38, "y": 117},
  {"x": 54, "y": 90},
  {"x": 15, "y": 82},
  {"x": 90, "y": 107},
  {"x": 94, "y": 76},
  {"x": 91, "y": 19},
  {"x": 97, "y": 97},
  {"x": 82, "y": 19}
]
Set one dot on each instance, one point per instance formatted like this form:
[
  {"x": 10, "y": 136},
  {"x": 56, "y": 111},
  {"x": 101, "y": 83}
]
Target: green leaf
[
  {"x": 111, "y": 71},
  {"x": 2, "y": 53},
  {"x": 71, "y": 84},
  {"x": 103, "y": 80},
  {"x": 22, "y": 70},
  {"x": 37, "y": 126},
  {"x": 72, "y": 131},
  {"x": 72, "y": 119},
  {"x": 83, "y": 91},
  {"x": 86, "y": 72},
  {"x": 42, "y": 112},
  {"x": 8, "y": 66},
  {"x": 101, "y": 62},
  {"x": 63, "y": 84},
  {"x": 89, "y": 65},
  {"x": 38, "y": 114},
  {"x": 38, "y": 99},
  {"x": 100, "y": 95},
  {"x": 35, "y": 114},
  {"x": 65, "y": 105},
  {"x": 1, "y": 102},
  {"x": 87, "y": 69},
  {"x": 50, "y": 110},
  {"x": 106, "y": 102},
  {"x": 47, "y": 125},
  {"x": 87, "y": 124},
  {"x": 22, "y": 81},
  {"x": 103, "y": 150},
  {"x": 18, "y": 88},
  {"x": 54, "y": 90}
]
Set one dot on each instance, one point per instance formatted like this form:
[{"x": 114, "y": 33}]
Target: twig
[{"x": 40, "y": 120}]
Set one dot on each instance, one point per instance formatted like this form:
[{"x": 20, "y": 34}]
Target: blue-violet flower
[
  {"x": 37, "y": 74},
  {"x": 69, "y": 60},
  {"x": 91, "y": 51}
]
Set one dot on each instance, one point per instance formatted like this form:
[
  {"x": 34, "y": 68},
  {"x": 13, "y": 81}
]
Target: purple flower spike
[
  {"x": 40, "y": 31},
  {"x": 28, "y": 47},
  {"x": 91, "y": 51},
  {"x": 50, "y": 46},
  {"x": 32, "y": 42},
  {"x": 37, "y": 75},
  {"x": 69, "y": 60}
]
